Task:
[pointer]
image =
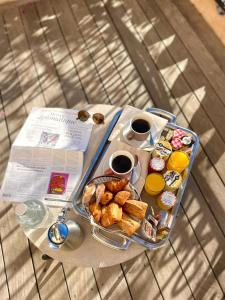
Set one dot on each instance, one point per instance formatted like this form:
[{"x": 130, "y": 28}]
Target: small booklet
[{"x": 46, "y": 159}]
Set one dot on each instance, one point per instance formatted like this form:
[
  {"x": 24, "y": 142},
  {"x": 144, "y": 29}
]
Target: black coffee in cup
[
  {"x": 140, "y": 126},
  {"x": 121, "y": 164}
]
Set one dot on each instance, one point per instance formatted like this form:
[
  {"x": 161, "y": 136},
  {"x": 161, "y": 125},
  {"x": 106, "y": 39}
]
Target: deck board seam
[
  {"x": 150, "y": 265},
  {"x": 6, "y": 276},
  {"x": 128, "y": 287},
  {"x": 182, "y": 270},
  {"x": 35, "y": 275},
  {"x": 96, "y": 282}
]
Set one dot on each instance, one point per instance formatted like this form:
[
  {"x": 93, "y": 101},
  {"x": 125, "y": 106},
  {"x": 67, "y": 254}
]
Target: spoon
[{"x": 132, "y": 176}]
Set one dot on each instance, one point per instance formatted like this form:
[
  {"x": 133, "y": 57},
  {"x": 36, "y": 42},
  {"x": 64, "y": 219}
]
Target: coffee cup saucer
[
  {"x": 133, "y": 142},
  {"x": 134, "y": 175}
]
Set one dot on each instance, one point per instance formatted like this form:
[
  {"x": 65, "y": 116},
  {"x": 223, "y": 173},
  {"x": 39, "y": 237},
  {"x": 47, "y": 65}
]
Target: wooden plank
[
  {"x": 110, "y": 78},
  {"x": 63, "y": 62},
  {"x": 199, "y": 52},
  {"x": 111, "y": 283},
  {"x": 140, "y": 278},
  {"x": 41, "y": 55},
  {"x": 50, "y": 277},
  {"x": 204, "y": 19},
  {"x": 81, "y": 283},
  {"x": 193, "y": 76},
  {"x": 212, "y": 186},
  {"x": 86, "y": 70},
  {"x": 32, "y": 94},
  {"x": 4, "y": 149},
  {"x": 129, "y": 76}
]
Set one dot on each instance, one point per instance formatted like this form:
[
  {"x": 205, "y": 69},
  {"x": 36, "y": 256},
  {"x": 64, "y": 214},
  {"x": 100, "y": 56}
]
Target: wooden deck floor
[{"x": 68, "y": 53}]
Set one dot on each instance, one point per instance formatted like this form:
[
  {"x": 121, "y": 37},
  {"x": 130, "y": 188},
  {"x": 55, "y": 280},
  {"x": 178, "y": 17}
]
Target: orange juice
[
  {"x": 178, "y": 161},
  {"x": 154, "y": 184}
]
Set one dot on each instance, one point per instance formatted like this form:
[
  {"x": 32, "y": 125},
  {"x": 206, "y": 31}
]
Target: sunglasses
[{"x": 84, "y": 115}]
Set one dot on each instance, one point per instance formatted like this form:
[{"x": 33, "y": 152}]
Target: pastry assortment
[{"x": 111, "y": 203}]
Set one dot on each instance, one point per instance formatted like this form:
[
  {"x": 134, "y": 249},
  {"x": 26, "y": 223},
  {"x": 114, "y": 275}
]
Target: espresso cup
[
  {"x": 140, "y": 128},
  {"x": 121, "y": 162}
]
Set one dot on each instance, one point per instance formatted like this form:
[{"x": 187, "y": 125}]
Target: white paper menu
[
  {"x": 56, "y": 128},
  {"x": 46, "y": 159}
]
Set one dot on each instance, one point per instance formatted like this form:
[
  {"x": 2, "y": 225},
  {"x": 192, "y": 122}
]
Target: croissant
[
  {"x": 96, "y": 211},
  {"x": 136, "y": 208},
  {"x": 114, "y": 212},
  {"x": 128, "y": 225},
  {"x": 121, "y": 197},
  {"x": 106, "y": 197},
  {"x": 106, "y": 221},
  {"x": 116, "y": 186}
]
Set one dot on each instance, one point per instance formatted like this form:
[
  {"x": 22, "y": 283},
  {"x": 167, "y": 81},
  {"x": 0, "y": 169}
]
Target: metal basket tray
[{"x": 102, "y": 234}]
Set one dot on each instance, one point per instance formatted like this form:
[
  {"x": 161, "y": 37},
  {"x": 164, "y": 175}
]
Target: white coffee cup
[
  {"x": 140, "y": 128},
  {"x": 119, "y": 168}
]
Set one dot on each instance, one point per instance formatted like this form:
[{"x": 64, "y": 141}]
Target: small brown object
[
  {"x": 96, "y": 211},
  {"x": 121, "y": 197},
  {"x": 106, "y": 221},
  {"x": 114, "y": 212},
  {"x": 116, "y": 186},
  {"x": 98, "y": 118},
  {"x": 128, "y": 225},
  {"x": 136, "y": 208},
  {"x": 106, "y": 197},
  {"x": 83, "y": 115}
]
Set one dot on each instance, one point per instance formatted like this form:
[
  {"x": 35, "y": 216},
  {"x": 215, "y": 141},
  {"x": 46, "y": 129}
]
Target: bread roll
[
  {"x": 136, "y": 208},
  {"x": 122, "y": 197},
  {"x": 128, "y": 225},
  {"x": 114, "y": 212}
]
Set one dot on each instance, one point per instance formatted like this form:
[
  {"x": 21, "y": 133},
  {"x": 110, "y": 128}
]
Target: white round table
[{"x": 91, "y": 253}]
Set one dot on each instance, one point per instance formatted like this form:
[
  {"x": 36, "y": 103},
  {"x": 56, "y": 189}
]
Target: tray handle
[
  {"x": 163, "y": 113},
  {"x": 97, "y": 233}
]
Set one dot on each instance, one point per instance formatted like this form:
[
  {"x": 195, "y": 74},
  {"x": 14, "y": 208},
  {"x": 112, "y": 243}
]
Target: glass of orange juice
[{"x": 178, "y": 161}]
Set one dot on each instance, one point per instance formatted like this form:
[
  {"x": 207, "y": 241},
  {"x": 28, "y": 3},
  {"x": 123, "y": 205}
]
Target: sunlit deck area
[{"x": 162, "y": 53}]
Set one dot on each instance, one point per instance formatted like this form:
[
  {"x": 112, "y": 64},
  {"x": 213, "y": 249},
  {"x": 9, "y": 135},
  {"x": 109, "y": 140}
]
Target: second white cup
[{"x": 121, "y": 162}]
